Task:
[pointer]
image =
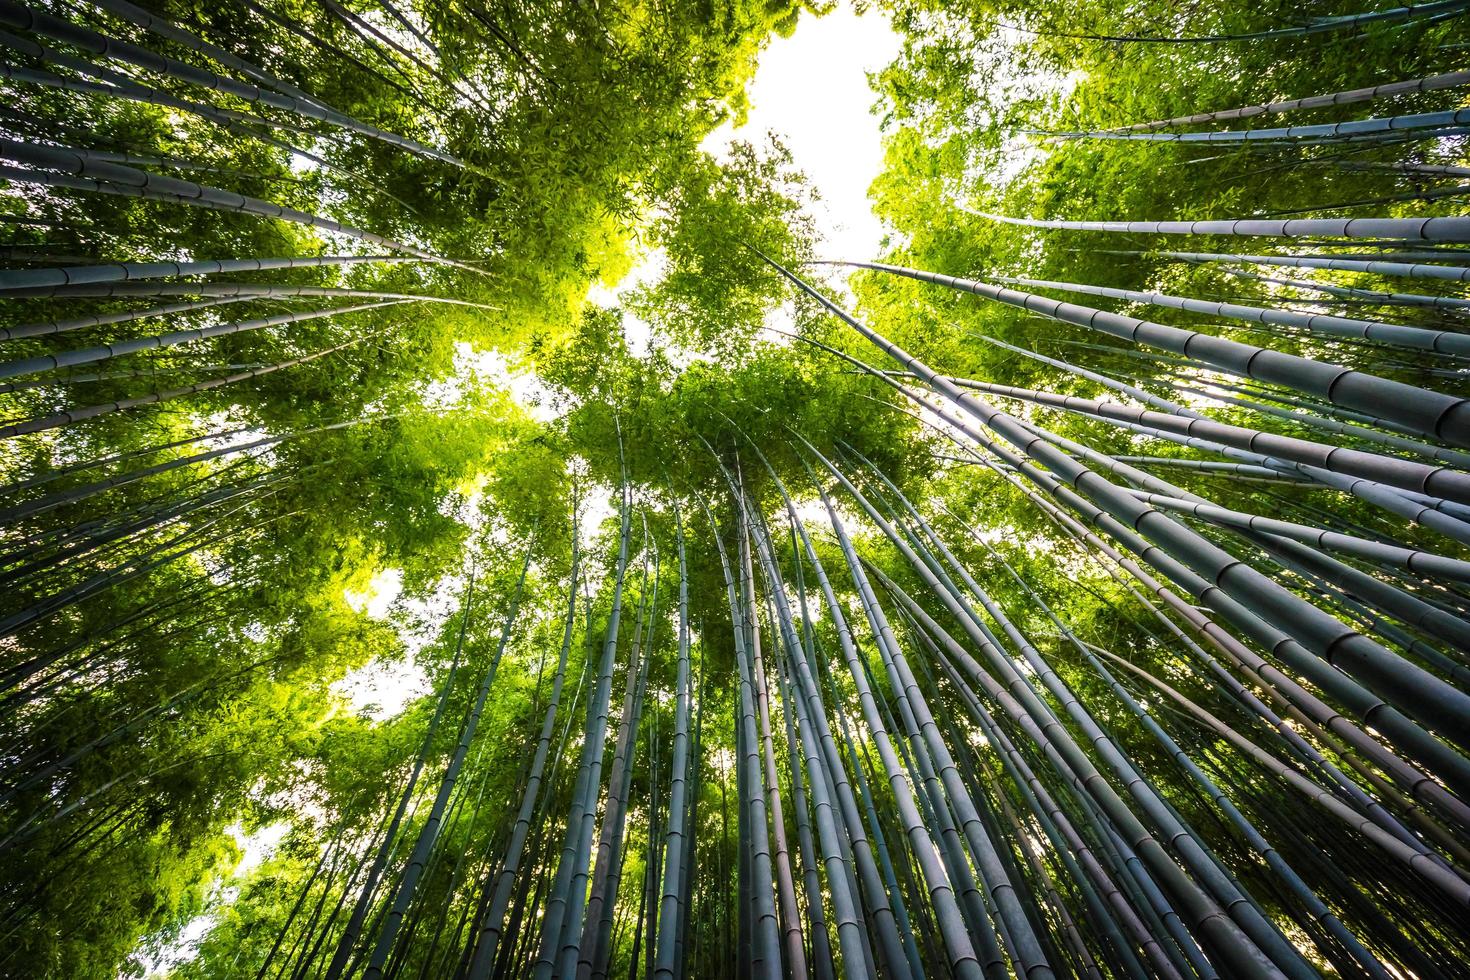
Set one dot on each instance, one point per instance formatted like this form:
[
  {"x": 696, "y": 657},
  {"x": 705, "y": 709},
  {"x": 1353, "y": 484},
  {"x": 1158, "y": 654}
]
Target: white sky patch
[
  {"x": 474, "y": 365},
  {"x": 811, "y": 89},
  {"x": 257, "y": 846},
  {"x": 648, "y": 268},
  {"x": 381, "y": 689},
  {"x": 383, "y": 589}
]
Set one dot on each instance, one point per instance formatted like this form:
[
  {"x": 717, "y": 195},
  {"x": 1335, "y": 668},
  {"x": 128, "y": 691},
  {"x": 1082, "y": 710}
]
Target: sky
[{"x": 811, "y": 89}]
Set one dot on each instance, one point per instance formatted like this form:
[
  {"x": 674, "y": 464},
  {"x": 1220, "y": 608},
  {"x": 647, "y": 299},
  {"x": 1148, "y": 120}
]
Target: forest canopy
[{"x": 457, "y": 521}]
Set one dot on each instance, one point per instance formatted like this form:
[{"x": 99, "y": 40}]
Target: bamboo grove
[{"x": 1078, "y": 588}]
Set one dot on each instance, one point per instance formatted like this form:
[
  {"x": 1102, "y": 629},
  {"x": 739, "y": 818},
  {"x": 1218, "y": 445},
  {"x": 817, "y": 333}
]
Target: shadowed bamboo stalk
[{"x": 1429, "y": 83}]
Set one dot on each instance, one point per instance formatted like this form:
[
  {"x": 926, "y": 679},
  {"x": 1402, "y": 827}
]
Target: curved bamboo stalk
[
  {"x": 1377, "y": 267},
  {"x": 1432, "y": 10},
  {"x": 126, "y": 272},
  {"x": 1407, "y": 229},
  {"x": 1327, "y": 131},
  {"x": 17, "y": 16},
  {"x": 492, "y": 922},
  {"x": 43, "y": 423},
  {"x": 1429, "y": 83},
  {"x": 121, "y": 348},
  {"x": 1432, "y": 413},
  {"x": 1393, "y": 334}
]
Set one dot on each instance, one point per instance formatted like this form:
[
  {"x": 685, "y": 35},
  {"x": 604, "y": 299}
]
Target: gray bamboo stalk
[
  {"x": 92, "y": 355},
  {"x": 163, "y": 27},
  {"x": 1429, "y": 83},
  {"x": 792, "y": 934},
  {"x": 1269, "y": 854},
  {"x": 228, "y": 290},
  {"x": 594, "y": 947},
  {"x": 1377, "y": 267},
  {"x": 23, "y": 18},
  {"x": 1430, "y": 11},
  {"x": 1357, "y": 293},
  {"x": 1412, "y": 338},
  {"x": 429, "y": 833},
  {"x": 673, "y": 895},
  {"x": 578, "y": 837},
  {"x": 492, "y": 922},
  {"x": 960, "y": 951},
  {"x": 1068, "y": 473},
  {"x": 114, "y": 178},
  {"x": 1026, "y": 947},
  {"x": 766, "y": 945},
  {"x": 347, "y": 942},
  {"x": 828, "y": 780},
  {"x": 1321, "y": 131},
  {"x": 1423, "y": 563},
  {"x": 1417, "y": 508},
  {"x": 1239, "y": 906},
  {"x": 1388, "y": 598},
  {"x": 1422, "y": 449},
  {"x": 62, "y": 276},
  {"x": 48, "y": 327},
  {"x": 822, "y": 964},
  {"x": 1452, "y": 885},
  {"x": 10, "y": 515},
  {"x": 1432, "y": 413},
  {"x": 1407, "y": 229},
  {"x": 1278, "y": 687},
  {"x": 43, "y": 423},
  {"x": 1439, "y": 481}
]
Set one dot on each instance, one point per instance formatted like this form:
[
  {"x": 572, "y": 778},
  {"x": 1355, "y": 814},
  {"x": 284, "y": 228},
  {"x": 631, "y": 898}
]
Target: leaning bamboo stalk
[
  {"x": 1431, "y": 512},
  {"x": 1412, "y": 338},
  {"x": 1269, "y": 854},
  {"x": 1424, "y": 563},
  {"x": 1432, "y": 413},
  {"x": 1430, "y": 12},
  {"x": 121, "y": 348},
  {"x": 1325, "y": 639},
  {"x": 1385, "y": 718},
  {"x": 1356, "y": 293},
  {"x": 1429, "y": 83},
  {"x": 815, "y": 737},
  {"x": 1031, "y": 958},
  {"x": 163, "y": 27},
  {"x": 1238, "y": 905},
  {"x": 1408, "y": 229},
  {"x": 43, "y": 423},
  {"x": 120, "y": 272},
  {"x": 1445, "y": 482},
  {"x": 1453, "y": 886},
  {"x": 347, "y": 942},
  {"x": 49, "y": 327},
  {"x": 491, "y": 924},
  {"x": 23, "y": 18},
  {"x": 1276, "y": 686},
  {"x": 1288, "y": 550},
  {"x": 1378, "y": 267},
  {"x": 80, "y": 173},
  {"x": 429, "y": 833},
  {"x": 1317, "y": 131}
]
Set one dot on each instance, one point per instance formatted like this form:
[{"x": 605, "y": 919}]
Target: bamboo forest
[{"x": 653, "y": 489}]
